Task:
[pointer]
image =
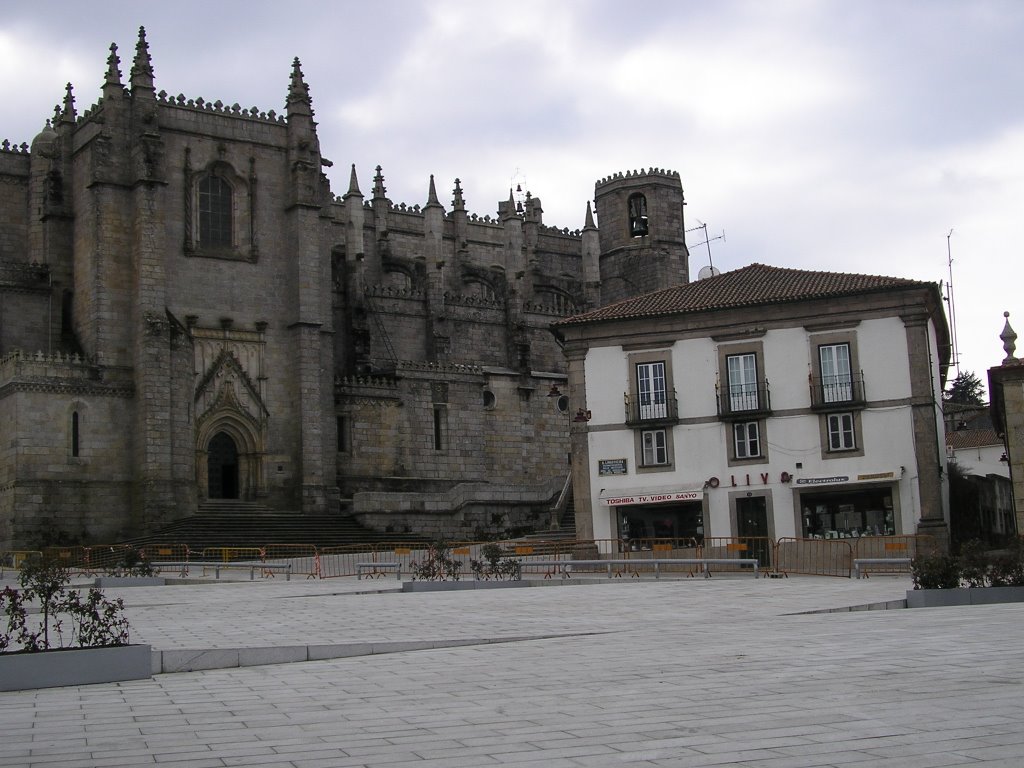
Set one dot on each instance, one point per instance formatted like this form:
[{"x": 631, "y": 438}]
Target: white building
[{"x": 761, "y": 402}]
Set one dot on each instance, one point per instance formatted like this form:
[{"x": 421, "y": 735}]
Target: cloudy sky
[{"x": 813, "y": 134}]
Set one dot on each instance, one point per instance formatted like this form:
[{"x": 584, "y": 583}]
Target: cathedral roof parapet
[
  {"x": 390, "y": 292},
  {"x": 642, "y": 173},
  {"x": 430, "y": 366},
  {"x": 366, "y": 382},
  {"x": 234, "y": 110},
  {"x": 57, "y": 373},
  {"x": 14, "y": 149},
  {"x": 458, "y": 299}
]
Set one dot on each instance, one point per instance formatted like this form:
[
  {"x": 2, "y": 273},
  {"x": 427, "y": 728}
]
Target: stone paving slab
[{"x": 718, "y": 672}]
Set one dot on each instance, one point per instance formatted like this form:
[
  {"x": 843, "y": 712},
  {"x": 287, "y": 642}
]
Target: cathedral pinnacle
[
  {"x": 353, "y": 184},
  {"x": 432, "y": 201},
  {"x": 113, "y": 78},
  {"x": 589, "y": 221},
  {"x": 68, "y": 115},
  {"x": 142, "y": 67},
  {"x": 379, "y": 190},
  {"x": 458, "y": 203},
  {"x": 298, "y": 102}
]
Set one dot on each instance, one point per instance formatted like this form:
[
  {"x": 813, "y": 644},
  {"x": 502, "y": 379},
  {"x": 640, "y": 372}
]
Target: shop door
[{"x": 752, "y": 528}]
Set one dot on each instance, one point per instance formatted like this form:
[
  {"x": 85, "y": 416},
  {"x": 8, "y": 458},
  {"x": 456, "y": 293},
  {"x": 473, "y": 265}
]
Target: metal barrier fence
[
  {"x": 813, "y": 557},
  {"x": 302, "y": 558},
  {"x": 155, "y": 552},
  {"x": 820, "y": 557},
  {"x": 12, "y": 559}
]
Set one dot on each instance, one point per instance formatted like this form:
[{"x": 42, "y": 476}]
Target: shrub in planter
[
  {"x": 1007, "y": 567},
  {"x": 495, "y": 564},
  {"x": 935, "y": 572},
  {"x": 133, "y": 563},
  {"x": 67, "y": 619},
  {"x": 439, "y": 565},
  {"x": 974, "y": 564}
]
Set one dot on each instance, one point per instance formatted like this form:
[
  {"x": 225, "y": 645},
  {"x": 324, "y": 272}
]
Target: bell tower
[{"x": 642, "y": 233}]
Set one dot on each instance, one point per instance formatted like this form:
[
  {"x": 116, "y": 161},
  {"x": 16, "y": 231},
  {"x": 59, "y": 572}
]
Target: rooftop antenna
[
  {"x": 710, "y": 270},
  {"x": 952, "y": 305}
]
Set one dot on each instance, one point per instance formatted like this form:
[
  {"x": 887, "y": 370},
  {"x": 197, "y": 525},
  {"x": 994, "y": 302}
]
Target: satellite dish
[{"x": 708, "y": 271}]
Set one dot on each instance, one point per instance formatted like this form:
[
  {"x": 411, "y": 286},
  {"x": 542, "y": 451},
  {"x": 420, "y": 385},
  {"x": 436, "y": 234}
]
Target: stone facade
[
  {"x": 187, "y": 311},
  {"x": 1006, "y": 402}
]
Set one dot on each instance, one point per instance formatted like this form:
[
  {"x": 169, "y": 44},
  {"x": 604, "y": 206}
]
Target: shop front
[
  {"x": 643, "y": 519},
  {"x": 842, "y": 506}
]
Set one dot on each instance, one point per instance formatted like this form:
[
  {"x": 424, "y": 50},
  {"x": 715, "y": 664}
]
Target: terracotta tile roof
[
  {"x": 972, "y": 438},
  {"x": 754, "y": 285}
]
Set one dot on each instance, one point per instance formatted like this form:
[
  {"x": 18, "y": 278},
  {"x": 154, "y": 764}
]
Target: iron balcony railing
[
  {"x": 661, "y": 408},
  {"x": 838, "y": 392},
  {"x": 740, "y": 401}
]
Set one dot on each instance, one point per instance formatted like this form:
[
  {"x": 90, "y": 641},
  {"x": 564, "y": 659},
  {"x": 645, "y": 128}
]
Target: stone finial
[
  {"x": 588, "y": 223},
  {"x": 142, "y": 67},
  {"x": 379, "y": 190},
  {"x": 1009, "y": 340}
]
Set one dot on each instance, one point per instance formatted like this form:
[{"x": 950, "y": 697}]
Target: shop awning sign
[
  {"x": 625, "y": 497},
  {"x": 869, "y": 477}
]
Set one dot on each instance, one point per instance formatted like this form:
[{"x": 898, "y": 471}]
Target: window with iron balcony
[
  {"x": 835, "y": 385},
  {"x": 652, "y": 400},
  {"x": 743, "y": 395}
]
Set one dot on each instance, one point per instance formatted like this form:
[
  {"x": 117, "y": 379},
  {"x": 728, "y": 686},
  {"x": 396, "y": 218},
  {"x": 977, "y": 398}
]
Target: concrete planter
[
  {"x": 74, "y": 666},
  {"x": 105, "y": 582},
  {"x": 939, "y": 598},
  {"x": 452, "y": 586}
]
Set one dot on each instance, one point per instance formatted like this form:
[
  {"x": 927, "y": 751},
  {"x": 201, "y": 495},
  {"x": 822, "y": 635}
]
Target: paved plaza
[{"x": 729, "y": 671}]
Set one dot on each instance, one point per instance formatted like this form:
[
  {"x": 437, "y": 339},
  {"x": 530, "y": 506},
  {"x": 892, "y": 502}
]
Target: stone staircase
[{"x": 234, "y": 523}]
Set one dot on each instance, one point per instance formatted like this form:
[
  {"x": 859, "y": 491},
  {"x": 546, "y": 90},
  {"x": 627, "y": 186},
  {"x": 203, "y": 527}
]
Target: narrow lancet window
[{"x": 214, "y": 212}]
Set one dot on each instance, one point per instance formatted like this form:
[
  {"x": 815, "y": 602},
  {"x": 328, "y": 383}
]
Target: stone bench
[
  {"x": 564, "y": 567},
  {"x": 859, "y": 562},
  {"x": 217, "y": 567},
  {"x": 376, "y": 568}
]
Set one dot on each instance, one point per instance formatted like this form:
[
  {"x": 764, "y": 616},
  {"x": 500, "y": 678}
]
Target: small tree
[{"x": 965, "y": 389}]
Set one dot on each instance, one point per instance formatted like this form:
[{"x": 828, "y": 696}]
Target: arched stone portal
[
  {"x": 229, "y": 457},
  {"x": 222, "y": 467}
]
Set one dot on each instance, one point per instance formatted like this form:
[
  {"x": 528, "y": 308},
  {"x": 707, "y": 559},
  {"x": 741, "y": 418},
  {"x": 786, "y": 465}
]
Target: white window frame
[
  {"x": 654, "y": 447},
  {"x": 746, "y": 439},
  {"x": 836, "y": 373},
  {"x": 842, "y": 431},
  {"x": 741, "y": 371},
  {"x": 652, "y": 390}
]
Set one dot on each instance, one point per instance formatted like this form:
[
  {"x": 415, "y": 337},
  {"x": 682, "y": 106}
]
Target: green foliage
[
  {"x": 133, "y": 563},
  {"x": 1007, "y": 569},
  {"x": 495, "y": 564},
  {"x": 975, "y": 567},
  {"x": 439, "y": 564},
  {"x": 935, "y": 572},
  {"x": 966, "y": 389},
  {"x": 66, "y": 619},
  {"x": 974, "y": 564}
]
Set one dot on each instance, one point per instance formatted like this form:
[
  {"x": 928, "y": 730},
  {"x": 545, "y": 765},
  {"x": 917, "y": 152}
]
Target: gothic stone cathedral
[{"x": 188, "y": 312}]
